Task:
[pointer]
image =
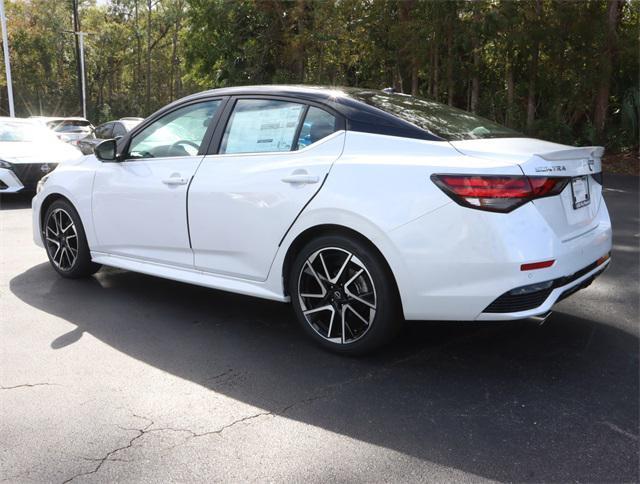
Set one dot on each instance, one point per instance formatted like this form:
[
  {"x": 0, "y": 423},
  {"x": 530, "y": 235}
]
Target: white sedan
[
  {"x": 362, "y": 208},
  {"x": 28, "y": 151}
]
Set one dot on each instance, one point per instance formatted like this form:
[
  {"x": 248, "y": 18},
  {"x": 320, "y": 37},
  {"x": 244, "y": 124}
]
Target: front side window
[
  {"x": 261, "y": 126},
  {"x": 179, "y": 133},
  {"x": 317, "y": 124}
]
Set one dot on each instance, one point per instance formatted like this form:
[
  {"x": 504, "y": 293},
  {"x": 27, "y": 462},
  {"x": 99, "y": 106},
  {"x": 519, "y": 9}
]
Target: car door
[
  {"x": 140, "y": 204},
  {"x": 273, "y": 157}
]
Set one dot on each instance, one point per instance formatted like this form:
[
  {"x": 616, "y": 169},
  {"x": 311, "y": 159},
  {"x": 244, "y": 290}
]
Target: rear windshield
[
  {"x": 68, "y": 125},
  {"x": 444, "y": 121}
]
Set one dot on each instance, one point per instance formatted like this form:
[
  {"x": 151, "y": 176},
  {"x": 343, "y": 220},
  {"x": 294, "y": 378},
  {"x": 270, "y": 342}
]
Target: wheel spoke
[
  {"x": 358, "y": 315},
  {"x": 360, "y": 300},
  {"x": 53, "y": 241},
  {"x": 324, "y": 266},
  {"x": 341, "y": 270},
  {"x": 62, "y": 251},
  {"x": 333, "y": 316},
  {"x": 328, "y": 307},
  {"x": 317, "y": 278}
]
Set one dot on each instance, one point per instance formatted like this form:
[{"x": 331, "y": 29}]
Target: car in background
[
  {"x": 28, "y": 151},
  {"x": 109, "y": 130},
  {"x": 70, "y": 130}
]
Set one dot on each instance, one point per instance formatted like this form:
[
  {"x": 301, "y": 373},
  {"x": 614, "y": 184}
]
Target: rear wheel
[
  {"x": 65, "y": 241},
  {"x": 344, "y": 296}
]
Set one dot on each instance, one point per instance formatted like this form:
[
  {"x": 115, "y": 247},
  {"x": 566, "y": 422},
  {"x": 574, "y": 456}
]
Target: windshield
[
  {"x": 24, "y": 132},
  {"x": 444, "y": 121}
]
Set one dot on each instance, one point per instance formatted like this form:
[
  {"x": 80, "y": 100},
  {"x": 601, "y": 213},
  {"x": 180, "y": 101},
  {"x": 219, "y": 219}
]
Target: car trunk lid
[{"x": 573, "y": 212}]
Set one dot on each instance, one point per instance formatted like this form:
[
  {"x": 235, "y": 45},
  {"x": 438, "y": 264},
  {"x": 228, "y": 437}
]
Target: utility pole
[
  {"x": 83, "y": 88},
  {"x": 79, "y": 55},
  {"x": 7, "y": 62}
]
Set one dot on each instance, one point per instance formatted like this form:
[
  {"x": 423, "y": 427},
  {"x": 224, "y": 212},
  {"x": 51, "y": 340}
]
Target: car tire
[
  {"x": 65, "y": 241},
  {"x": 344, "y": 295}
]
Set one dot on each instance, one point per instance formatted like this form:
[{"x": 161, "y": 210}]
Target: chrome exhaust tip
[{"x": 541, "y": 318}]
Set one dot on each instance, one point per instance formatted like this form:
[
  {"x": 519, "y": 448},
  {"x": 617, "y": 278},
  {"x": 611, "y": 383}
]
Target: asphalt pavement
[{"x": 129, "y": 378}]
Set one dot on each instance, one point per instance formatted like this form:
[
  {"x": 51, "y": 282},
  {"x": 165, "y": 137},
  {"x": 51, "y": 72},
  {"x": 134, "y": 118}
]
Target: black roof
[{"x": 359, "y": 115}]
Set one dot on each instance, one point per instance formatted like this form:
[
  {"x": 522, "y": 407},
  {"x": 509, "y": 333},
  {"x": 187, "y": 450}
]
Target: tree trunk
[
  {"x": 475, "y": 78},
  {"x": 533, "y": 73},
  {"x": 450, "y": 82},
  {"x": 414, "y": 79},
  {"x": 606, "y": 67},
  {"x": 435, "y": 73},
  {"x": 147, "y": 103},
  {"x": 138, "y": 69},
  {"x": 510, "y": 91},
  {"x": 173, "y": 84}
]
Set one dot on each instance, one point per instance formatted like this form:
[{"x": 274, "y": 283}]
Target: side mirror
[{"x": 106, "y": 151}]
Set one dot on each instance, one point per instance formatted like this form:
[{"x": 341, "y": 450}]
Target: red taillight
[
  {"x": 537, "y": 265},
  {"x": 497, "y": 193}
]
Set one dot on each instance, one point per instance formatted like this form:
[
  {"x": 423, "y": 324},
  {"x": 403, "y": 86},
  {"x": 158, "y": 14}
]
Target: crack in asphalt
[
  {"x": 323, "y": 393},
  {"x": 107, "y": 456},
  {"x": 28, "y": 385},
  {"x": 617, "y": 429},
  {"x": 147, "y": 430}
]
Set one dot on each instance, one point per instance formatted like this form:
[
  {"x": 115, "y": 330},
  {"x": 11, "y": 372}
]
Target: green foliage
[{"x": 535, "y": 65}]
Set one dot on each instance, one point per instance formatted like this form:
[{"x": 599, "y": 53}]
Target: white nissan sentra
[{"x": 362, "y": 208}]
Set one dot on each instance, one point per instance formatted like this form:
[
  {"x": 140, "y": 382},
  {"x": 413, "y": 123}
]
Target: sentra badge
[{"x": 548, "y": 169}]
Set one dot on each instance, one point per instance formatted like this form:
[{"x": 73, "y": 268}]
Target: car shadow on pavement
[{"x": 505, "y": 401}]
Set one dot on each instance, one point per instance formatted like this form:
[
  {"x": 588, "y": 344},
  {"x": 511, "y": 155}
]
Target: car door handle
[
  {"x": 301, "y": 178},
  {"x": 175, "y": 180}
]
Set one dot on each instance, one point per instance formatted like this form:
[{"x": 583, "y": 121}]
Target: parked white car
[
  {"x": 69, "y": 130},
  {"x": 28, "y": 151},
  {"x": 361, "y": 208}
]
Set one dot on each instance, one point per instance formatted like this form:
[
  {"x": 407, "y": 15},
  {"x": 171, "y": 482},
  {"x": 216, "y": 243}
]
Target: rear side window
[
  {"x": 104, "y": 131},
  {"x": 118, "y": 130},
  {"x": 262, "y": 126},
  {"x": 317, "y": 124}
]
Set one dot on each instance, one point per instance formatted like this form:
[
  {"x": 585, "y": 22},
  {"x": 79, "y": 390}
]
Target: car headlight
[
  {"x": 41, "y": 183},
  {"x": 5, "y": 164}
]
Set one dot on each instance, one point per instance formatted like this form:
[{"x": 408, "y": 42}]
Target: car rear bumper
[
  {"x": 458, "y": 261},
  {"x": 542, "y": 301}
]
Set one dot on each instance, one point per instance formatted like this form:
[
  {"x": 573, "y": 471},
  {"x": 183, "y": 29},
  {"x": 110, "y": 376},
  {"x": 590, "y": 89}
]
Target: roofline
[{"x": 359, "y": 115}]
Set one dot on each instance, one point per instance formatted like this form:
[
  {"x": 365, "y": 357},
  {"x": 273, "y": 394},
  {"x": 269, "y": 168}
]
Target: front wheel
[
  {"x": 344, "y": 296},
  {"x": 65, "y": 241}
]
